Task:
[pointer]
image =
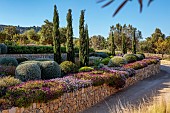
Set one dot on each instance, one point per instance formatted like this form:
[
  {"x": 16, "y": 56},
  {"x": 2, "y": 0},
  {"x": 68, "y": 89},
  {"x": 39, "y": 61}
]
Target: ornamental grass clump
[
  {"x": 8, "y": 61},
  {"x": 68, "y": 67},
  {"x": 117, "y": 62}
]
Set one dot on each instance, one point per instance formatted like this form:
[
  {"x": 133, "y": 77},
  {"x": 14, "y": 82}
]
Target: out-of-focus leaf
[
  {"x": 149, "y": 2},
  {"x": 108, "y": 3},
  {"x": 99, "y": 1},
  {"x": 141, "y": 4},
  {"x": 120, "y": 7}
]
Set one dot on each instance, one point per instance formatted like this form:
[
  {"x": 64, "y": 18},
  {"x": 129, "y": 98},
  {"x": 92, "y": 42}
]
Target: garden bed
[{"x": 82, "y": 98}]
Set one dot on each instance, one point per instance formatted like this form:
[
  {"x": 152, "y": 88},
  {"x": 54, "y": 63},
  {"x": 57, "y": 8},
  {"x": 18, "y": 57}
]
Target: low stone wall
[
  {"x": 29, "y": 56},
  {"x": 78, "y": 101}
]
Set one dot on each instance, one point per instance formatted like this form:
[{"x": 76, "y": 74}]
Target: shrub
[
  {"x": 105, "y": 61},
  {"x": 85, "y": 69},
  {"x": 93, "y": 60},
  {"x": 141, "y": 54},
  {"x": 49, "y": 69},
  {"x": 37, "y": 49},
  {"x": 3, "y": 49},
  {"x": 130, "y": 58},
  {"x": 7, "y": 70},
  {"x": 8, "y": 61},
  {"x": 31, "y": 61},
  {"x": 68, "y": 67},
  {"x": 99, "y": 54},
  {"x": 6, "y": 82},
  {"x": 117, "y": 62},
  {"x": 22, "y": 59},
  {"x": 139, "y": 57},
  {"x": 28, "y": 71}
]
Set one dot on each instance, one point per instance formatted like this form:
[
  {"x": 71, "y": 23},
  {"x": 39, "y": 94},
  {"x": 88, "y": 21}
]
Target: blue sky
[{"x": 99, "y": 20}]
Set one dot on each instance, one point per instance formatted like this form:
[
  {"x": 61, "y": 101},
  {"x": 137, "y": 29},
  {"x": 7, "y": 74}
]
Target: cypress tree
[
  {"x": 82, "y": 39},
  {"x": 69, "y": 35},
  {"x": 112, "y": 43},
  {"x": 56, "y": 36},
  {"x": 86, "y": 46},
  {"x": 124, "y": 49},
  {"x": 134, "y": 42}
]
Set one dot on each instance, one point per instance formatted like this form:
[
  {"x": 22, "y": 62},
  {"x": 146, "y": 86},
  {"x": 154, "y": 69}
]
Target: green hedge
[{"x": 36, "y": 49}]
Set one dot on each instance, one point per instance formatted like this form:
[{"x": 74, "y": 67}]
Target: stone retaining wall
[
  {"x": 78, "y": 101},
  {"x": 29, "y": 56}
]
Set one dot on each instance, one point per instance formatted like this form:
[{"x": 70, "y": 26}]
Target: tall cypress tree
[
  {"x": 82, "y": 39},
  {"x": 124, "y": 49},
  {"x": 56, "y": 36},
  {"x": 112, "y": 43},
  {"x": 134, "y": 42},
  {"x": 86, "y": 46},
  {"x": 69, "y": 35}
]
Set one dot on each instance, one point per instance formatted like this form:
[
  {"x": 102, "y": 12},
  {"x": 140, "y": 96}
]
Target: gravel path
[{"x": 155, "y": 85}]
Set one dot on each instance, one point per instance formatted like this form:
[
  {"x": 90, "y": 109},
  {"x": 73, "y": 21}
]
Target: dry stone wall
[{"x": 74, "y": 102}]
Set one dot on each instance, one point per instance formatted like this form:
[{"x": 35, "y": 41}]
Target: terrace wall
[{"x": 80, "y": 100}]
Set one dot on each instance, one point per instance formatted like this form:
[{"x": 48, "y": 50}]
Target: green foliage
[
  {"x": 86, "y": 69},
  {"x": 86, "y": 46},
  {"x": 56, "y": 36},
  {"x": 112, "y": 44},
  {"x": 49, "y": 69},
  {"x": 6, "y": 82},
  {"x": 130, "y": 58},
  {"x": 46, "y": 33},
  {"x": 99, "y": 54},
  {"x": 124, "y": 49},
  {"x": 93, "y": 60},
  {"x": 82, "y": 39},
  {"x": 7, "y": 70},
  {"x": 134, "y": 42},
  {"x": 68, "y": 67},
  {"x": 8, "y": 61},
  {"x": 22, "y": 59},
  {"x": 139, "y": 56},
  {"x": 117, "y": 62},
  {"x": 28, "y": 71},
  {"x": 97, "y": 42},
  {"x": 105, "y": 61},
  {"x": 3, "y": 49},
  {"x": 69, "y": 45},
  {"x": 32, "y": 35},
  {"x": 36, "y": 49}
]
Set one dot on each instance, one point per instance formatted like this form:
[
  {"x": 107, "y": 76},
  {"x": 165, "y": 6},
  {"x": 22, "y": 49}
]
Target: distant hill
[{"x": 22, "y": 29}]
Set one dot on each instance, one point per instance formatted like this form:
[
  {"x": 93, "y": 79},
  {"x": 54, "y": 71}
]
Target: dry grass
[{"x": 159, "y": 104}]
